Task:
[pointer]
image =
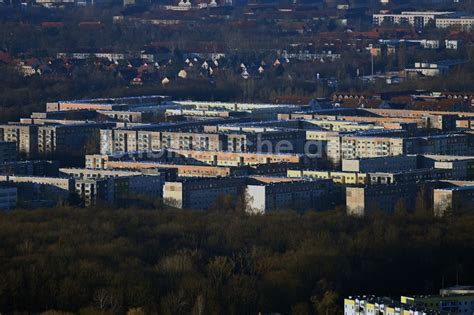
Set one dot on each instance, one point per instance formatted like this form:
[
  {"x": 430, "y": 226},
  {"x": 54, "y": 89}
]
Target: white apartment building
[{"x": 416, "y": 18}]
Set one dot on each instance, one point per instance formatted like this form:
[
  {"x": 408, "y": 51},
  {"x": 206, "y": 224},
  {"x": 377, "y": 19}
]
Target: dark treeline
[
  {"x": 118, "y": 261},
  {"x": 23, "y": 37}
]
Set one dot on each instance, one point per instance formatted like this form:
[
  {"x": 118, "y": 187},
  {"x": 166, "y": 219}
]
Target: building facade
[
  {"x": 8, "y": 198},
  {"x": 7, "y": 152}
]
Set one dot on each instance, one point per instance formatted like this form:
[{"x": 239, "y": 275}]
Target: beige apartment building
[
  {"x": 25, "y": 136},
  {"x": 199, "y": 193},
  {"x": 66, "y": 138},
  {"x": 40, "y": 189},
  {"x": 131, "y": 140},
  {"x": 363, "y": 200},
  {"x": 264, "y": 195},
  {"x": 182, "y": 170},
  {"x": 455, "y": 196},
  {"x": 226, "y": 158},
  {"x": 51, "y": 138},
  {"x": 333, "y": 122},
  {"x": 465, "y": 22},
  {"x": 210, "y": 158},
  {"x": 353, "y": 146}
]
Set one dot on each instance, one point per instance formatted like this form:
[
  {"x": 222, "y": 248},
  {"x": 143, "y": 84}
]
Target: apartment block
[
  {"x": 415, "y": 176},
  {"x": 459, "y": 167},
  {"x": 363, "y": 145},
  {"x": 125, "y": 116},
  {"x": 372, "y": 305},
  {"x": 25, "y": 137},
  {"x": 203, "y": 114},
  {"x": 81, "y": 173},
  {"x": 132, "y": 140},
  {"x": 82, "y": 114},
  {"x": 238, "y": 106},
  {"x": 374, "y": 178},
  {"x": 346, "y": 178},
  {"x": 363, "y": 200},
  {"x": 192, "y": 141},
  {"x": 454, "y": 196},
  {"x": 418, "y": 19},
  {"x": 182, "y": 170},
  {"x": 209, "y": 158},
  {"x": 342, "y": 125},
  {"x": 8, "y": 152},
  {"x": 463, "y": 22},
  {"x": 35, "y": 191},
  {"x": 8, "y": 198},
  {"x": 123, "y": 103},
  {"x": 67, "y": 139},
  {"x": 351, "y": 146},
  {"x": 351, "y": 122},
  {"x": 117, "y": 141},
  {"x": 381, "y": 164},
  {"x": 30, "y": 168},
  {"x": 201, "y": 193},
  {"x": 462, "y": 167},
  {"x": 447, "y": 302},
  {"x": 118, "y": 188},
  {"x": 265, "y": 140},
  {"x": 226, "y": 158},
  {"x": 264, "y": 195}
]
